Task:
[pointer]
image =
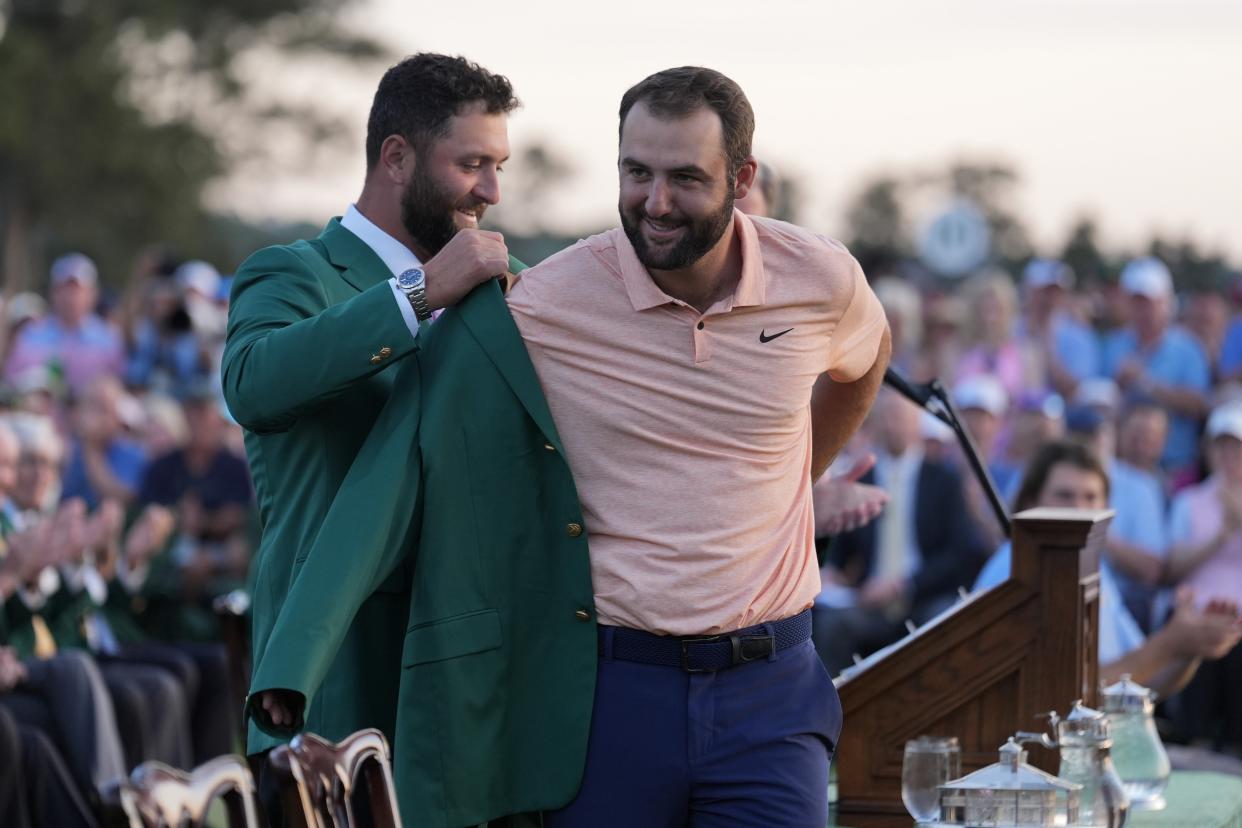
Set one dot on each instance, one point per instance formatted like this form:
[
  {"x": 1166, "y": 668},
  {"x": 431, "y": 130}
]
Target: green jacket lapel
[
  {"x": 487, "y": 317},
  {"x": 359, "y": 264}
]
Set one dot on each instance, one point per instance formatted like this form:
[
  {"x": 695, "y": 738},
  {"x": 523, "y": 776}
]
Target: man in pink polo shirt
[{"x": 678, "y": 355}]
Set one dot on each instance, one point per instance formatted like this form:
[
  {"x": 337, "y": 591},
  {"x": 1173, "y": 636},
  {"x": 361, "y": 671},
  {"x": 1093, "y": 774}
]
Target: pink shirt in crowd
[
  {"x": 1195, "y": 518},
  {"x": 92, "y": 349},
  {"x": 689, "y": 434}
]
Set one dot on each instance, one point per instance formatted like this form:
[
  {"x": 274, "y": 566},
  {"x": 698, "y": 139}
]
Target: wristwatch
[{"x": 413, "y": 283}]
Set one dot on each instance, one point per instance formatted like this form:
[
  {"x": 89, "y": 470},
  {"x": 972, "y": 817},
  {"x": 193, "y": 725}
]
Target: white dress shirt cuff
[{"x": 407, "y": 310}]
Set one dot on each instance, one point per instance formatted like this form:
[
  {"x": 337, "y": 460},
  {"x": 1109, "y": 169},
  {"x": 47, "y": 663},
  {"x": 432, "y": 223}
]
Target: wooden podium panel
[{"x": 981, "y": 671}]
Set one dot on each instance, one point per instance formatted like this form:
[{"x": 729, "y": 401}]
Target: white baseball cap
[
  {"x": 982, "y": 391},
  {"x": 75, "y": 267},
  {"x": 1041, "y": 273},
  {"x": 1098, "y": 392},
  {"x": 932, "y": 427},
  {"x": 199, "y": 276},
  {"x": 1225, "y": 421},
  {"x": 1148, "y": 277}
]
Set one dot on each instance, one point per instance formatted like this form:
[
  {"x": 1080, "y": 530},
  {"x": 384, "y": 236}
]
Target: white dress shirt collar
[{"x": 393, "y": 253}]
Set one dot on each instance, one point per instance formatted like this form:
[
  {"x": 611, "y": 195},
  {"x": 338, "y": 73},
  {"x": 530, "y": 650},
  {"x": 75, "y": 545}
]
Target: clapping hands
[{"x": 1208, "y": 632}]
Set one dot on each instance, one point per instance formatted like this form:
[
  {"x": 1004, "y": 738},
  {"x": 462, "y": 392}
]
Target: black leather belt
[{"x": 707, "y": 653}]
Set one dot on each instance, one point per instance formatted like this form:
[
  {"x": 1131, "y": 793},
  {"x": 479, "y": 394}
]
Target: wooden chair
[
  {"x": 317, "y": 780},
  {"x": 157, "y": 796}
]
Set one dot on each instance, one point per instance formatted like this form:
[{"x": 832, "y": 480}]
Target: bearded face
[
  {"x": 432, "y": 213},
  {"x": 675, "y": 240}
]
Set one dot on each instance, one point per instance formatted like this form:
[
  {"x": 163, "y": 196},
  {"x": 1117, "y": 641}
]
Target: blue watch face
[{"x": 412, "y": 278}]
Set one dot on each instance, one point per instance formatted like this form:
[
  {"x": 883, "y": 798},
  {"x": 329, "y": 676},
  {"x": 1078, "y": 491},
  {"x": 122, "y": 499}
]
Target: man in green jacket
[{"x": 318, "y": 329}]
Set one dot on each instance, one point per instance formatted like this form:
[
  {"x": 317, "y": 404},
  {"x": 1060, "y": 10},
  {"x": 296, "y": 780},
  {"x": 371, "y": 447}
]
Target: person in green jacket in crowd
[{"x": 319, "y": 329}]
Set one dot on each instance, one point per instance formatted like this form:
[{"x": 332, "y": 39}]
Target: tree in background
[
  {"x": 1083, "y": 254},
  {"x": 878, "y": 234},
  {"x": 118, "y": 115}
]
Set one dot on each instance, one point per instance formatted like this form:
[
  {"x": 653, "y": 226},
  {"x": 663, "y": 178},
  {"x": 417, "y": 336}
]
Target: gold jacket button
[
  {"x": 573, "y": 529},
  {"x": 582, "y": 615},
  {"x": 376, "y": 359},
  {"x": 385, "y": 352}
]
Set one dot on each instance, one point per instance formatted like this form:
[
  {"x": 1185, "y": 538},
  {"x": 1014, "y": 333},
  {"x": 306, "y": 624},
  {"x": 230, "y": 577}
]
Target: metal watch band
[{"x": 418, "y": 300}]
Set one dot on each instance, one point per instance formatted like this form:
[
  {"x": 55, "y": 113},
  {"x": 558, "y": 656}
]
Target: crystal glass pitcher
[
  {"x": 1137, "y": 753},
  {"x": 1085, "y": 742}
]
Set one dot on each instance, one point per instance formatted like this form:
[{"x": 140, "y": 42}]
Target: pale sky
[{"x": 1124, "y": 109}]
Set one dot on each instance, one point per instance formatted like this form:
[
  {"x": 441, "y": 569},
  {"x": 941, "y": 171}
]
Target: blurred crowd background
[{"x": 126, "y": 508}]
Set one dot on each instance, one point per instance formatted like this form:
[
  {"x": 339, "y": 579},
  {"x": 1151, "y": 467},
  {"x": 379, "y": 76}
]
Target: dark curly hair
[
  {"x": 675, "y": 93},
  {"x": 418, "y": 97}
]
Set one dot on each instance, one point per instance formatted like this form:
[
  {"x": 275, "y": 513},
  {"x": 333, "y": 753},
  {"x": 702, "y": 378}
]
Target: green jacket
[
  {"x": 314, "y": 340},
  {"x": 464, "y": 478}
]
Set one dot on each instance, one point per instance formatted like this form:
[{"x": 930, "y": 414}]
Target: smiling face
[
  {"x": 676, "y": 194},
  {"x": 456, "y": 178}
]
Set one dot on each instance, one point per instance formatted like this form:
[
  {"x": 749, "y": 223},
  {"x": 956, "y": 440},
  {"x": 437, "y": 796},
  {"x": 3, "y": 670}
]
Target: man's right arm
[{"x": 287, "y": 349}]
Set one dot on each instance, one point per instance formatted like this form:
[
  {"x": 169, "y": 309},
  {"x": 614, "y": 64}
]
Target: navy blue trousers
[{"x": 745, "y": 746}]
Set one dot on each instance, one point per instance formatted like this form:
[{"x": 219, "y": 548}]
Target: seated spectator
[
  {"x": 36, "y": 789},
  {"x": 1152, "y": 358},
  {"x": 903, "y": 307},
  {"x": 1230, "y": 365},
  {"x": 165, "y": 355},
  {"x": 62, "y": 695},
  {"x": 1137, "y": 543},
  {"x": 908, "y": 563},
  {"x": 1069, "y": 475},
  {"x": 943, "y": 322},
  {"x": 1206, "y": 317},
  {"x": 983, "y": 404},
  {"x": 73, "y": 339},
  {"x": 1038, "y": 418},
  {"x": 1205, "y": 530},
  {"x": 62, "y": 606},
  {"x": 20, "y": 311},
  {"x": 1064, "y": 346},
  {"x": 209, "y": 488},
  {"x": 992, "y": 348},
  {"x": 104, "y": 463},
  {"x": 163, "y": 425}
]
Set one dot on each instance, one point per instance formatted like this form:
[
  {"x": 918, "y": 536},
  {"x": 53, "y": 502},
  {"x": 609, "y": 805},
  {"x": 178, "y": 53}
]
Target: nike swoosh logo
[{"x": 763, "y": 335}]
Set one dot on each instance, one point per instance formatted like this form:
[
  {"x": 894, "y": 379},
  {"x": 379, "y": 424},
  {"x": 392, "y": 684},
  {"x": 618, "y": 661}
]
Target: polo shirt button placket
[{"x": 702, "y": 344}]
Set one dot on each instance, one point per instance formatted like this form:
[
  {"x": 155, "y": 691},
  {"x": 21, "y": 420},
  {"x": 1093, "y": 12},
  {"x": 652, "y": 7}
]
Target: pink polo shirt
[{"x": 689, "y": 434}]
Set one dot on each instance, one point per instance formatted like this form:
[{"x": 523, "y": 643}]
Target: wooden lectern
[{"x": 980, "y": 671}]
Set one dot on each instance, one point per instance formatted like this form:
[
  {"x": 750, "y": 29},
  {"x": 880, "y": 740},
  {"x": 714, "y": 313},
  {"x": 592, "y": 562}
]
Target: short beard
[
  {"x": 427, "y": 213},
  {"x": 702, "y": 236}
]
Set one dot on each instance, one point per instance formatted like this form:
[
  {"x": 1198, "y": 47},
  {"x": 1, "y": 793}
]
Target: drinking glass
[{"x": 929, "y": 762}]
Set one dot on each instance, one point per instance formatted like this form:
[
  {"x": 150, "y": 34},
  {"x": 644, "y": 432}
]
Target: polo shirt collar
[{"x": 645, "y": 294}]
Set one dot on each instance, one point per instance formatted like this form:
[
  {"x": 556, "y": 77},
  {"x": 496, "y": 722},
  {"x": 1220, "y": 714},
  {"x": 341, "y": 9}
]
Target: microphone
[{"x": 917, "y": 394}]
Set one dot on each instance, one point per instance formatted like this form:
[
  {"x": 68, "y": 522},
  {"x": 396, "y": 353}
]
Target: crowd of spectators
[
  {"x": 1044, "y": 371},
  {"x": 125, "y": 511},
  {"x": 126, "y": 506}
]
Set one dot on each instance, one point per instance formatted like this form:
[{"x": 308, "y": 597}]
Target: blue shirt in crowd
[
  {"x": 1177, "y": 360},
  {"x": 126, "y": 459},
  {"x": 1119, "y": 632},
  {"x": 1231, "y": 349}
]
